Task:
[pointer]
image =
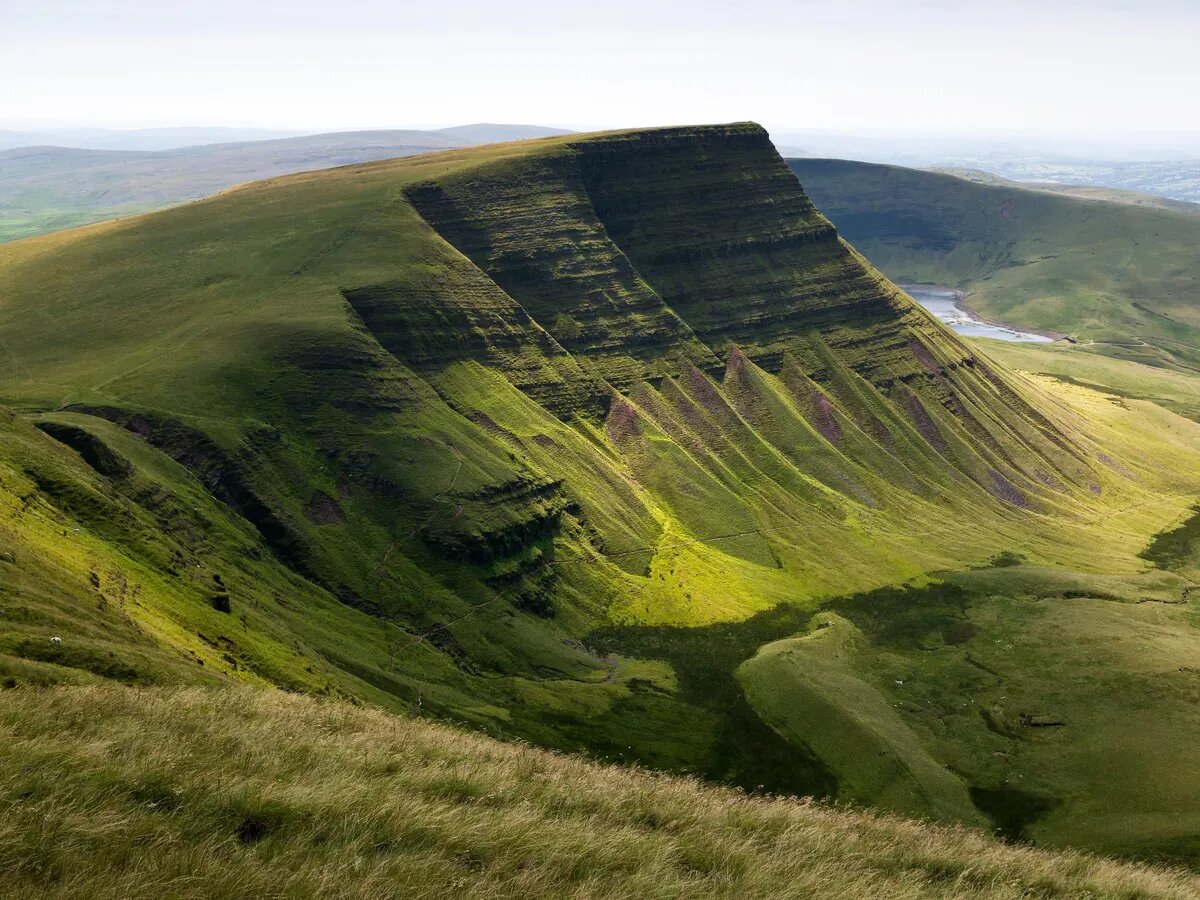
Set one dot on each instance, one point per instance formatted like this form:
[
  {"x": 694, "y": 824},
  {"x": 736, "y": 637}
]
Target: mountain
[
  {"x": 613, "y": 444},
  {"x": 135, "y": 138},
  {"x": 158, "y": 139},
  {"x": 321, "y": 798},
  {"x": 1121, "y": 276},
  {"x": 1173, "y": 179},
  {"x": 43, "y": 188}
]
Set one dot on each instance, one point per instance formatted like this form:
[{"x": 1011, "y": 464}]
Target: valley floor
[
  {"x": 1176, "y": 390},
  {"x": 110, "y": 791}
]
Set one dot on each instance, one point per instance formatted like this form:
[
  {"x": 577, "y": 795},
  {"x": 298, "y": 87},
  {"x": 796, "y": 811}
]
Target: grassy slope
[
  {"x": 987, "y": 633},
  {"x": 1175, "y": 390},
  {"x": 1127, "y": 277},
  {"x": 399, "y": 451},
  {"x": 114, "y": 793},
  {"x": 964, "y": 670}
]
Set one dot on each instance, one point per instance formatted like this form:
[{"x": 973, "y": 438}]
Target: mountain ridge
[{"x": 495, "y": 432}]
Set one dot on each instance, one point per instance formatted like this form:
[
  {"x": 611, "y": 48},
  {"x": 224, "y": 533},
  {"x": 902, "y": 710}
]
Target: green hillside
[
  {"x": 110, "y": 792},
  {"x": 1176, "y": 390},
  {"x": 1126, "y": 277},
  {"x": 609, "y": 443}
]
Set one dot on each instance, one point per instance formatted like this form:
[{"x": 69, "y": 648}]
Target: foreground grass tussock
[{"x": 111, "y": 791}]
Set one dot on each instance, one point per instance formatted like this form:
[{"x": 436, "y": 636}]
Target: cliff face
[
  {"x": 720, "y": 228},
  {"x": 533, "y": 229},
  {"x": 415, "y": 432},
  {"x": 663, "y": 249},
  {"x": 655, "y": 254}
]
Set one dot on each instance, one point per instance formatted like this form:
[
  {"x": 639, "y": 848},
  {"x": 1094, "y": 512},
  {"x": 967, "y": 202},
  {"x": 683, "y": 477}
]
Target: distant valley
[
  {"x": 1176, "y": 180},
  {"x": 45, "y": 188},
  {"x": 1166, "y": 166},
  {"x": 1120, "y": 274}
]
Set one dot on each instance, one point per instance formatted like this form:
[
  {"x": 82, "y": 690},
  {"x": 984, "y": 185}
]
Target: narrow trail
[
  {"x": 100, "y": 386},
  {"x": 337, "y": 241},
  {"x": 19, "y": 367}
]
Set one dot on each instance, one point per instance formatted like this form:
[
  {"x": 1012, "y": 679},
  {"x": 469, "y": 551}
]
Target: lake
[{"x": 941, "y": 302}]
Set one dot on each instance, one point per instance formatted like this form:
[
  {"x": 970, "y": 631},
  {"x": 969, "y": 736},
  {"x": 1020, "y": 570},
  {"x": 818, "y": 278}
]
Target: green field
[
  {"x": 1121, "y": 278},
  {"x": 28, "y": 223},
  {"x": 609, "y": 443},
  {"x": 1175, "y": 390}
]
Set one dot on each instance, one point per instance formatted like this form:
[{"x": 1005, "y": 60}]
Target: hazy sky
[{"x": 958, "y": 65}]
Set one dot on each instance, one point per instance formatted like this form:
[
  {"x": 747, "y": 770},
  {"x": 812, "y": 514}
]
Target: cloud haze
[{"x": 1104, "y": 67}]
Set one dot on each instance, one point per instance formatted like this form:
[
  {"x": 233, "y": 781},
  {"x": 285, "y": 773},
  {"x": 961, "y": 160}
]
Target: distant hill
[
  {"x": 1118, "y": 270},
  {"x": 136, "y": 138},
  {"x": 1175, "y": 179},
  {"x": 45, "y": 188},
  {"x": 1080, "y": 191},
  {"x": 491, "y": 133}
]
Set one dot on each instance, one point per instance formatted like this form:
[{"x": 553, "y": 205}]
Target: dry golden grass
[{"x": 114, "y": 792}]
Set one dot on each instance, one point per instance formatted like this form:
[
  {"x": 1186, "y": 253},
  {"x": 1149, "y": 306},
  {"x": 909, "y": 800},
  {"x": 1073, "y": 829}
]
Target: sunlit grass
[{"x": 120, "y": 792}]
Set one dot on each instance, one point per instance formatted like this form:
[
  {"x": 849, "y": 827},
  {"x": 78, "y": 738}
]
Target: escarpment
[
  {"x": 437, "y": 421},
  {"x": 532, "y": 228},
  {"x": 649, "y": 255}
]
